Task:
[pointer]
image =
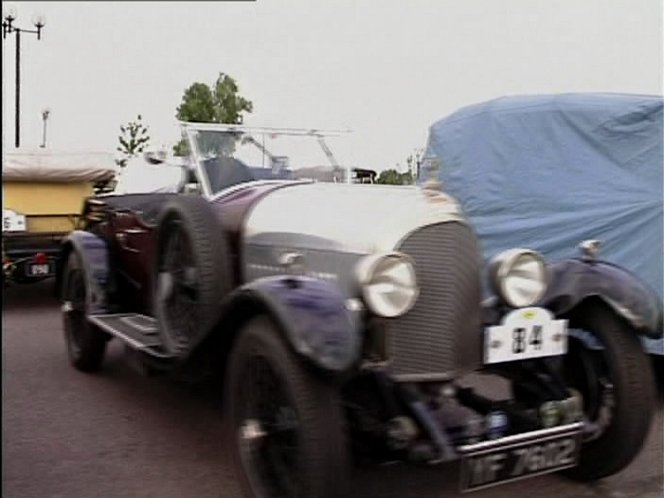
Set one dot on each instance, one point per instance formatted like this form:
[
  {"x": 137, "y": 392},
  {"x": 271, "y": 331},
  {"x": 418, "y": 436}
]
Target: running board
[{"x": 141, "y": 332}]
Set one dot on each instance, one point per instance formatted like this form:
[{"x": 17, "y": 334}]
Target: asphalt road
[{"x": 118, "y": 434}]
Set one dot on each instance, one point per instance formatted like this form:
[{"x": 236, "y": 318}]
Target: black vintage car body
[{"x": 346, "y": 321}]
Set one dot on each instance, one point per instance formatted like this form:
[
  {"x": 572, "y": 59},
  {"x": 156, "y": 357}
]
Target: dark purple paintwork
[
  {"x": 133, "y": 238},
  {"x": 232, "y": 210},
  {"x": 573, "y": 280},
  {"x": 313, "y": 315}
]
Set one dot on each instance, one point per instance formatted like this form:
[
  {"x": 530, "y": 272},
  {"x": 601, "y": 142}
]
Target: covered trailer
[
  {"x": 549, "y": 171},
  {"x": 42, "y": 195}
]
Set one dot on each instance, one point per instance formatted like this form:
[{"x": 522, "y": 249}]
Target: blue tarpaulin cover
[{"x": 549, "y": 171}]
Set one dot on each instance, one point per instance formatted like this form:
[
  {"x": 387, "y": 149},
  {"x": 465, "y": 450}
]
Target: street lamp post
[
  {"x": 8, "y": 28},
  {"x": 44, "y": 114}
]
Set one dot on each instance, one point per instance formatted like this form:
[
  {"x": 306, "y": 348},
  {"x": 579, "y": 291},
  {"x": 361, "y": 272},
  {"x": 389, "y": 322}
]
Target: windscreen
[{"x": 230, "y": 158}]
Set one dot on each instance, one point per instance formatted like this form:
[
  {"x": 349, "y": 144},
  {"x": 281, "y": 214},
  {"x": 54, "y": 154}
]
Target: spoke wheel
[
  {"x": 177, "y": 286},
  {"x": 586, "y": 371},
  {"x": 268, "y": 431},
  {"x": 617, "y": 386},
  {"x": 86, "y": 344},
  {"x": 192, "y": 272},
  {"x": 285, "y": 425}
]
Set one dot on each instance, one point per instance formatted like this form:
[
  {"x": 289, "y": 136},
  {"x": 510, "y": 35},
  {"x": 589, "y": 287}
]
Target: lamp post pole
[
  {"x": 8, "y": 28},
  {"x": 17, "y": 129},
  {"x": 45, "y": 114}
]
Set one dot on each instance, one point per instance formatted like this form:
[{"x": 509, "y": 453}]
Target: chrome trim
[
  {"x": 292, "y": 263},
  {"x": 106, "y": 328},
  {"x": 506, "y": 443},
  {"x": 589, "y": 249},
  {"x": 253, "y": 183},
  {"x": 441, "y": 335},
  {"x": 96, "y": 202},
  {"x": 500, "y": 265},
  {"x": 131, "y": 321},
  {"x": 353, "y": 304},
  {"x": 426, "y": 377},
  {"x": 538, "y": 435},
  {"x": 365, "y": 272},
  {"x": 135, "y": 231},
  {"x": 365, "y": 267},
  {"x": 189, "y": 130},
  {"x": 260, "y": 129}
]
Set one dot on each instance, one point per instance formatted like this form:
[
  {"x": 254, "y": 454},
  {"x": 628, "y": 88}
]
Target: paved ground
[{"x": 117, "y": 434}]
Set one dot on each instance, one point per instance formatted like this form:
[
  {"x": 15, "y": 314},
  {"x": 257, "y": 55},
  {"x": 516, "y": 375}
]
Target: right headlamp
[{"x": 518, "y": 277}]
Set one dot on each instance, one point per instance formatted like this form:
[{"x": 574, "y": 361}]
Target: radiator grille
[{"x": 441, "y": 334}]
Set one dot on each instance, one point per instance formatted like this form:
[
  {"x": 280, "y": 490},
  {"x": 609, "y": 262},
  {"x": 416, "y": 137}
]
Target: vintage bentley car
[{"x": 348, "y": 322}]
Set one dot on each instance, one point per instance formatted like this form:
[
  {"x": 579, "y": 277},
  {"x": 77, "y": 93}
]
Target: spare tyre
[{"x": 193, "y": 272}]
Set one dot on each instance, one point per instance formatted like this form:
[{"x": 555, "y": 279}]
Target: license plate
[
  {"x": 13, "y": 221},
  {"x": 523, "y": 334},
  {"x": 42, "y": 270},
  {"x": 511, "y": 459}
]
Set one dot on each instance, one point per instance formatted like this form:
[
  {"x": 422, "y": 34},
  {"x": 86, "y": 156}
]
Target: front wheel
[
  {"x": 611, "y": 371},
  {"x": 286, "y": 426}
]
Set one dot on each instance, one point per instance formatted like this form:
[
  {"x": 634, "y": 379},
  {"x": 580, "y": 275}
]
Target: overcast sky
[{"x": 385, "y": 69}]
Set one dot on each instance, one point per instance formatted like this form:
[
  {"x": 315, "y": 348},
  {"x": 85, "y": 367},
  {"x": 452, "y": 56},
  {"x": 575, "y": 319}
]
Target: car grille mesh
[{"x": 441, "y": 333}]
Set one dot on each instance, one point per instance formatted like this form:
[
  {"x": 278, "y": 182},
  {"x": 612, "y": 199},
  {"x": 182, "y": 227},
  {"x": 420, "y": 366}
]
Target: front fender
[
  {"x": 94, "y": 256},
  {"x": 312, "y": 315},
  {"x": 573, "y": 280}
]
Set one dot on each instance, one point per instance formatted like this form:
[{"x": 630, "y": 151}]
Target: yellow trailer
[{"x": 43, "y": 192}]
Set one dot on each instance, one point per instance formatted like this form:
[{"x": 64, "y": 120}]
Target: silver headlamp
[
  {"x": 388, "y": 283},
  {"x": 518, "y": 277}
]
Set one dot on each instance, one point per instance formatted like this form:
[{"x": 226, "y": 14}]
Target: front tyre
[
  {"x": 617, "y": 386},
  {"x": 86, "y": 344},
  {"x": 286, "y": 427}
]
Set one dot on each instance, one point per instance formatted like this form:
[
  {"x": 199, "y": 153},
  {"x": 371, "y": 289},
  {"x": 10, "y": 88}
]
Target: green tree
[
  {"x": 133, "y": 140},
  {"x": 219, "y": 104},
  {"x": 393, "y": 177},
  {"x": 389, "y": 177},
  {"x": 407, "y": 178}
]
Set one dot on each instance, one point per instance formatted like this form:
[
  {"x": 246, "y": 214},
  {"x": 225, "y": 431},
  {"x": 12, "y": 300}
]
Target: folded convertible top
[{"x": 58, "y": 166}]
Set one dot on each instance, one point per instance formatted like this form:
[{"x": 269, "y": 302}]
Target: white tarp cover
[{"x": 57, "y": 166}]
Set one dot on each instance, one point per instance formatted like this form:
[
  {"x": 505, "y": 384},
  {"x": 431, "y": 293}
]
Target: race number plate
[
  {"x": 517, "y": 457},
  {"x": 39, "y": 270},
  {"x": 12, "y": 221},
  {"x": 525, "y": 333}
]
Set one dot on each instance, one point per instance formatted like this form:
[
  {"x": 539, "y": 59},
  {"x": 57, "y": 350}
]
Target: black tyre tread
[
  {"x": 93, "y": 343},
  {"x": 211, "y": 256},
  {"x": 318, "y": 405},
  {"x": 634, "y": 394}
]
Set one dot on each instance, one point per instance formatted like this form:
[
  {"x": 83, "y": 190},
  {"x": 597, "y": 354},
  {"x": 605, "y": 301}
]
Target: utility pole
[
  {"x": 8, "y": 28},
  {"x": 44, "y": 114}
]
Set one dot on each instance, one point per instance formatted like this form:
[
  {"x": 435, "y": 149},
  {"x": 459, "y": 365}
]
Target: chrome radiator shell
[{"x": 440, "y": 337}]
